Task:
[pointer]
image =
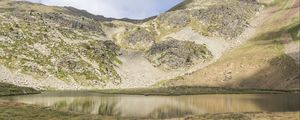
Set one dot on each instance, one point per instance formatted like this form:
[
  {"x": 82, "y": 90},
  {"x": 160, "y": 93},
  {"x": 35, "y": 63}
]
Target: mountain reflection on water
[{"x": 161, "y": 106}]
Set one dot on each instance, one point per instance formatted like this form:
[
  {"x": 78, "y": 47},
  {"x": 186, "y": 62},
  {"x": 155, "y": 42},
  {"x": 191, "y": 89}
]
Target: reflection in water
[
  {"x": 169, "y": 112},
  {"x": 160, "y": 106}
]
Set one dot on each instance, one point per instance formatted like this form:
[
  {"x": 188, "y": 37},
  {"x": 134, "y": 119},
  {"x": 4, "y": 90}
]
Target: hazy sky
[{"x": 135, "y": 9}]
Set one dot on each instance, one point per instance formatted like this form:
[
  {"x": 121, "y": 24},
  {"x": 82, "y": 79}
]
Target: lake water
[{"x": 161, "y": 106}]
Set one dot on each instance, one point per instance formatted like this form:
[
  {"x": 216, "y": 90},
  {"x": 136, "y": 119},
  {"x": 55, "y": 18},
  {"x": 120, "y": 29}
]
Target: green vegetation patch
[
  {"x": 9, "y": 89},
  {"x": 294, "y": 31}
]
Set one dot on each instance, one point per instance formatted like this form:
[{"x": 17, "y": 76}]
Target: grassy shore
[
  {"x": 10, "y": 90},
  {"x": 191, "y": 90}
]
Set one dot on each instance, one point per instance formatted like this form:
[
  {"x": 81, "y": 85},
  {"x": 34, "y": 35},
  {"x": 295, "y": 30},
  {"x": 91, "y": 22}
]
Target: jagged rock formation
[{"x": 82, "y": 50}]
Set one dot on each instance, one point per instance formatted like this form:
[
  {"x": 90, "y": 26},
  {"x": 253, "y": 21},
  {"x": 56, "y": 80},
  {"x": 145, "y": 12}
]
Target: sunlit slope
[{"x": 264, "y": 61}]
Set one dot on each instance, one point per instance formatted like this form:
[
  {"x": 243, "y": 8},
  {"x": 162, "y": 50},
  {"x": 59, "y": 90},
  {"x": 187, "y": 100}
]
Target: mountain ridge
[{"x": 48, "y": 47}]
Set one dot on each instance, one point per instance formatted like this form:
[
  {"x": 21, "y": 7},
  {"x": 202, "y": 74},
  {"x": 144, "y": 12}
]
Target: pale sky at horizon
[{"x": 134, "y": 9}]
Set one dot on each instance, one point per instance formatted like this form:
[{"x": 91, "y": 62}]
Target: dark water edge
[{"x": 191, "y": 90}]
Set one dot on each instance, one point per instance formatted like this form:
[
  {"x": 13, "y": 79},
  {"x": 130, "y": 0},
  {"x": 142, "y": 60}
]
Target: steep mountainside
[
  {"x": 270, "y": 60},
  {"x": 50, "y": 47}
]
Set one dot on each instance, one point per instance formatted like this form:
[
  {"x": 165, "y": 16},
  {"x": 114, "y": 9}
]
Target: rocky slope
[
  {"x": 269, "y": 60},
  {"x": 64, "y": 48}
]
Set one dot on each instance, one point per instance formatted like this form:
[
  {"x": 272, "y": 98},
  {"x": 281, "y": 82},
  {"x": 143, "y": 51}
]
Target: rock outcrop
[
  {"x": 137, "y": 39},
  {"x": 227, "y": 20},
  {"x": 174, "y": 54},
  {"x": 176, "y": 19}
]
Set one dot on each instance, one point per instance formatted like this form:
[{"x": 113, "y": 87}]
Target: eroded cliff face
[{"x": 65, "y": 48}]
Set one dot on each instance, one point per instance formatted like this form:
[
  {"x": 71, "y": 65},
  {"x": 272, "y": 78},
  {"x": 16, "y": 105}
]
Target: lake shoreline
[
  {"x": 16, "y": 110},
  {"x": 11, "y": 110},
  {"x": 190, "y": 90},
  {"x": 12, "y": 90}
]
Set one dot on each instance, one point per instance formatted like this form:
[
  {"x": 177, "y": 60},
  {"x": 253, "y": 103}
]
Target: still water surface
[{"x": 161, "y": 106}]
